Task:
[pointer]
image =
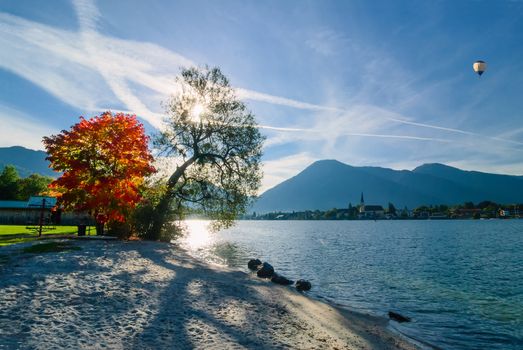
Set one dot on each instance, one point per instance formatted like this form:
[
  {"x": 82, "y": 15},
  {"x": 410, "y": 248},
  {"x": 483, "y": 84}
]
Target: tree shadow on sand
[
  {"x": 201, "y": 308},
  {"x": 145, "y": 295}
]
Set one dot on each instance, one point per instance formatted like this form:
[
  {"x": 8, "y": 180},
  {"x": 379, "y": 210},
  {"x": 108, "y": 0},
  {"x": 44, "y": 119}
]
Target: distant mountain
[
  {"x": 330, "y": 184},
  {"x": 26, "y": 161}
]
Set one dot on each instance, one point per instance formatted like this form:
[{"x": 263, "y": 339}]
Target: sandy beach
[{"x": 148, "y": 295}]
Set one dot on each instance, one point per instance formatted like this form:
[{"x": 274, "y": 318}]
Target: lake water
[{"x": 461, "y": 282}]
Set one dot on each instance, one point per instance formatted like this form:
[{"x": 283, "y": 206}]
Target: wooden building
[{"x": 29, "y": 213}]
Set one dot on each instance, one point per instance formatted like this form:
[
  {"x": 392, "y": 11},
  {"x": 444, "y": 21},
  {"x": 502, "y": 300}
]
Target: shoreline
[
  {"x": 156, "y": 295},
  {"x": 343, "y": 309},
  {"x": 382, "y": 320}
]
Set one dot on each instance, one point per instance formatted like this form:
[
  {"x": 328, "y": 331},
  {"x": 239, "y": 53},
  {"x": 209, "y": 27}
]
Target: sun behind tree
[
  {"x": 104, "y": 161},
  {"x": 218, "y": 147}
]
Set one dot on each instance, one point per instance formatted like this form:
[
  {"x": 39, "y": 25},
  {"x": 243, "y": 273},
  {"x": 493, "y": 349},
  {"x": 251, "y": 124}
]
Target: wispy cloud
[
  {"x": 88, "y": 14},
  {"x": 21, "y": 129},
  {"x": 377, "y": 112},
  {"x": 322, "y": 133},
  {"x": 326, "y": 41},
  {"x": 95, "y": 72},
  {"x": 90, "y": 71},
  {"x": 281, "y": 169},
  {"x": 87, "y": 70},
  {"x": 277, "y": 100}
]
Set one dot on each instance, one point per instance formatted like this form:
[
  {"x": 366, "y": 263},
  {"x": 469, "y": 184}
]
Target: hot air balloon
[{"x": 479, "y": 67}]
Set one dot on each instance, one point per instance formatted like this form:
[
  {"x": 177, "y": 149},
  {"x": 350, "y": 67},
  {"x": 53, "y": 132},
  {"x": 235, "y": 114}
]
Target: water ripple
[{"x": 460, "y": 281}]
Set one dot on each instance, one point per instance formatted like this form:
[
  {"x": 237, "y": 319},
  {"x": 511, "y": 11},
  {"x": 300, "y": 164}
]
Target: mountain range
[
  {"x": 330, "y": 184},
  {"x": 26, "y": 161}
]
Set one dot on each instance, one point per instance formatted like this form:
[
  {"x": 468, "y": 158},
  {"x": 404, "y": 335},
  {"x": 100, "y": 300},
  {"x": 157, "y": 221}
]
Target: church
[{"x": 370, "y": 211}]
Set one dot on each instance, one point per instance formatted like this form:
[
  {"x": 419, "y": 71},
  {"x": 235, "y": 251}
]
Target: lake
[{"x": 461, "y": 282}]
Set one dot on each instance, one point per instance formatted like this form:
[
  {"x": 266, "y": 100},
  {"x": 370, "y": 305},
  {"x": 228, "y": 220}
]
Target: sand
[{"x": 148, "y": 295}]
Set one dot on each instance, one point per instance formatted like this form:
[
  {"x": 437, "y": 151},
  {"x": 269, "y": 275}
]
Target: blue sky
[{"x": 380, "y": 83}]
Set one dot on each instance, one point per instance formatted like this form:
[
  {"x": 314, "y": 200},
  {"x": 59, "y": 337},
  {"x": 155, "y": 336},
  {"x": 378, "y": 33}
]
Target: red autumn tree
[{"x": 104, "y": 161}]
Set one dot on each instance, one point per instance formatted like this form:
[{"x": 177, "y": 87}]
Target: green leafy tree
[
  {"x": 33, "y": 185},
  {"x": 218, "y": 147},
  {"x": 9, "y": 183},
  {"x": 330, "y": 214},
  {"x": 443, "y": 208},
  {"x": 353, "y": 211},
  {"x": 392, "y": 209},
  {"x": 421, "y": 208},
  {"x": 13, "y": 187},
  {"x": 487, "y": 204},
  {"x": 468, "y": 205}
]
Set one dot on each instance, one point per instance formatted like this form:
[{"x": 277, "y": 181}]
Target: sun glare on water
[{"x": 198, "y": 234}]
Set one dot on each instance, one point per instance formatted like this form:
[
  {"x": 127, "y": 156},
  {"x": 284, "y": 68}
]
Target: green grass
[
  {"x": 23, "y": 229},
  {"x": 12, "y": 234},
  {"x": 50, "y": 247}
]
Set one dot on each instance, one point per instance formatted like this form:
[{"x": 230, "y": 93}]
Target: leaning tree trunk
[
  {"x": 163, "y": 208},
  {"x": 159, "y": 217}
]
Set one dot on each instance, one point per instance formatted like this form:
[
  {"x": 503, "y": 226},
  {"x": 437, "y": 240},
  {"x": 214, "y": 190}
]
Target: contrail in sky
[
  {"x": 119, "y": 65},
  {"x": 388, "y": 136}
]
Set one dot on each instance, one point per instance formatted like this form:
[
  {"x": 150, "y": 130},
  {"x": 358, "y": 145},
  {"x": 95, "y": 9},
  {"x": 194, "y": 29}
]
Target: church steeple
[{"x": 362, "y": 202}]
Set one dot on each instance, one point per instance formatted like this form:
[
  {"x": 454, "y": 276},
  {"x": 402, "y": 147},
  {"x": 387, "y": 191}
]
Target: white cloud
[
  {"x": 51, "y": 59},
  {"x": 20, "y": 129},
  {"x": 88, "y": 14},
  {"x": 513, "y": 168},
  {"x": 276, "y": 100},
  {"x": 278, "y": 170},
  {"x": 358, "y": 121},
  {"x": 88, "y": 70},
  {"x": 95, "y": 72},
  {"x": 91, "y": 71}
]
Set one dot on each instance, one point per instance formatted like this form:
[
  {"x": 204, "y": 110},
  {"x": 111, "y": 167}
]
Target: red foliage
[{"x": 104, "y": 161}]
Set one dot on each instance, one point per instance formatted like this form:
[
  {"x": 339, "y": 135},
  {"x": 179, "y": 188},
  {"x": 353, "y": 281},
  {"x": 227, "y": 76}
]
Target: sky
[{"x": 369, "y": 83}]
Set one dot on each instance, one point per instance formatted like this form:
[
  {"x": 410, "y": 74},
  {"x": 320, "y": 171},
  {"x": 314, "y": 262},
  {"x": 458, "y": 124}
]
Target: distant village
[
  {"x": 468, "y": 210},
  {"x": 39, "y": 208}
]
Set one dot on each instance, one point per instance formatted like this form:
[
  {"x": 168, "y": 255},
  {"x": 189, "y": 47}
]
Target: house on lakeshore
[
  {"x": 504, "y": 213},
  {"x": 466, "y": 213},
  {"x": 406, "y": 213},
  {"x": 438, "y": 216},
  {"x": 29, "y": 213},
  {"x": 370, "y": 211}
]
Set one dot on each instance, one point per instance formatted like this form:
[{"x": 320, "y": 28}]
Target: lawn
[{"x": 11, "y": 234}]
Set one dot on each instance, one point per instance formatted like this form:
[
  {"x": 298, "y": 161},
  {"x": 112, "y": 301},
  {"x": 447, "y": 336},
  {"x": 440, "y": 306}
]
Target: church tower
[{"x": 362, "y": 204}]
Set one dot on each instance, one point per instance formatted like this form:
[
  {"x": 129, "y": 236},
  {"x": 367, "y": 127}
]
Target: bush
[
  {"x": 142, "y": 220},
  {"x": 122, "y": 230}
]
